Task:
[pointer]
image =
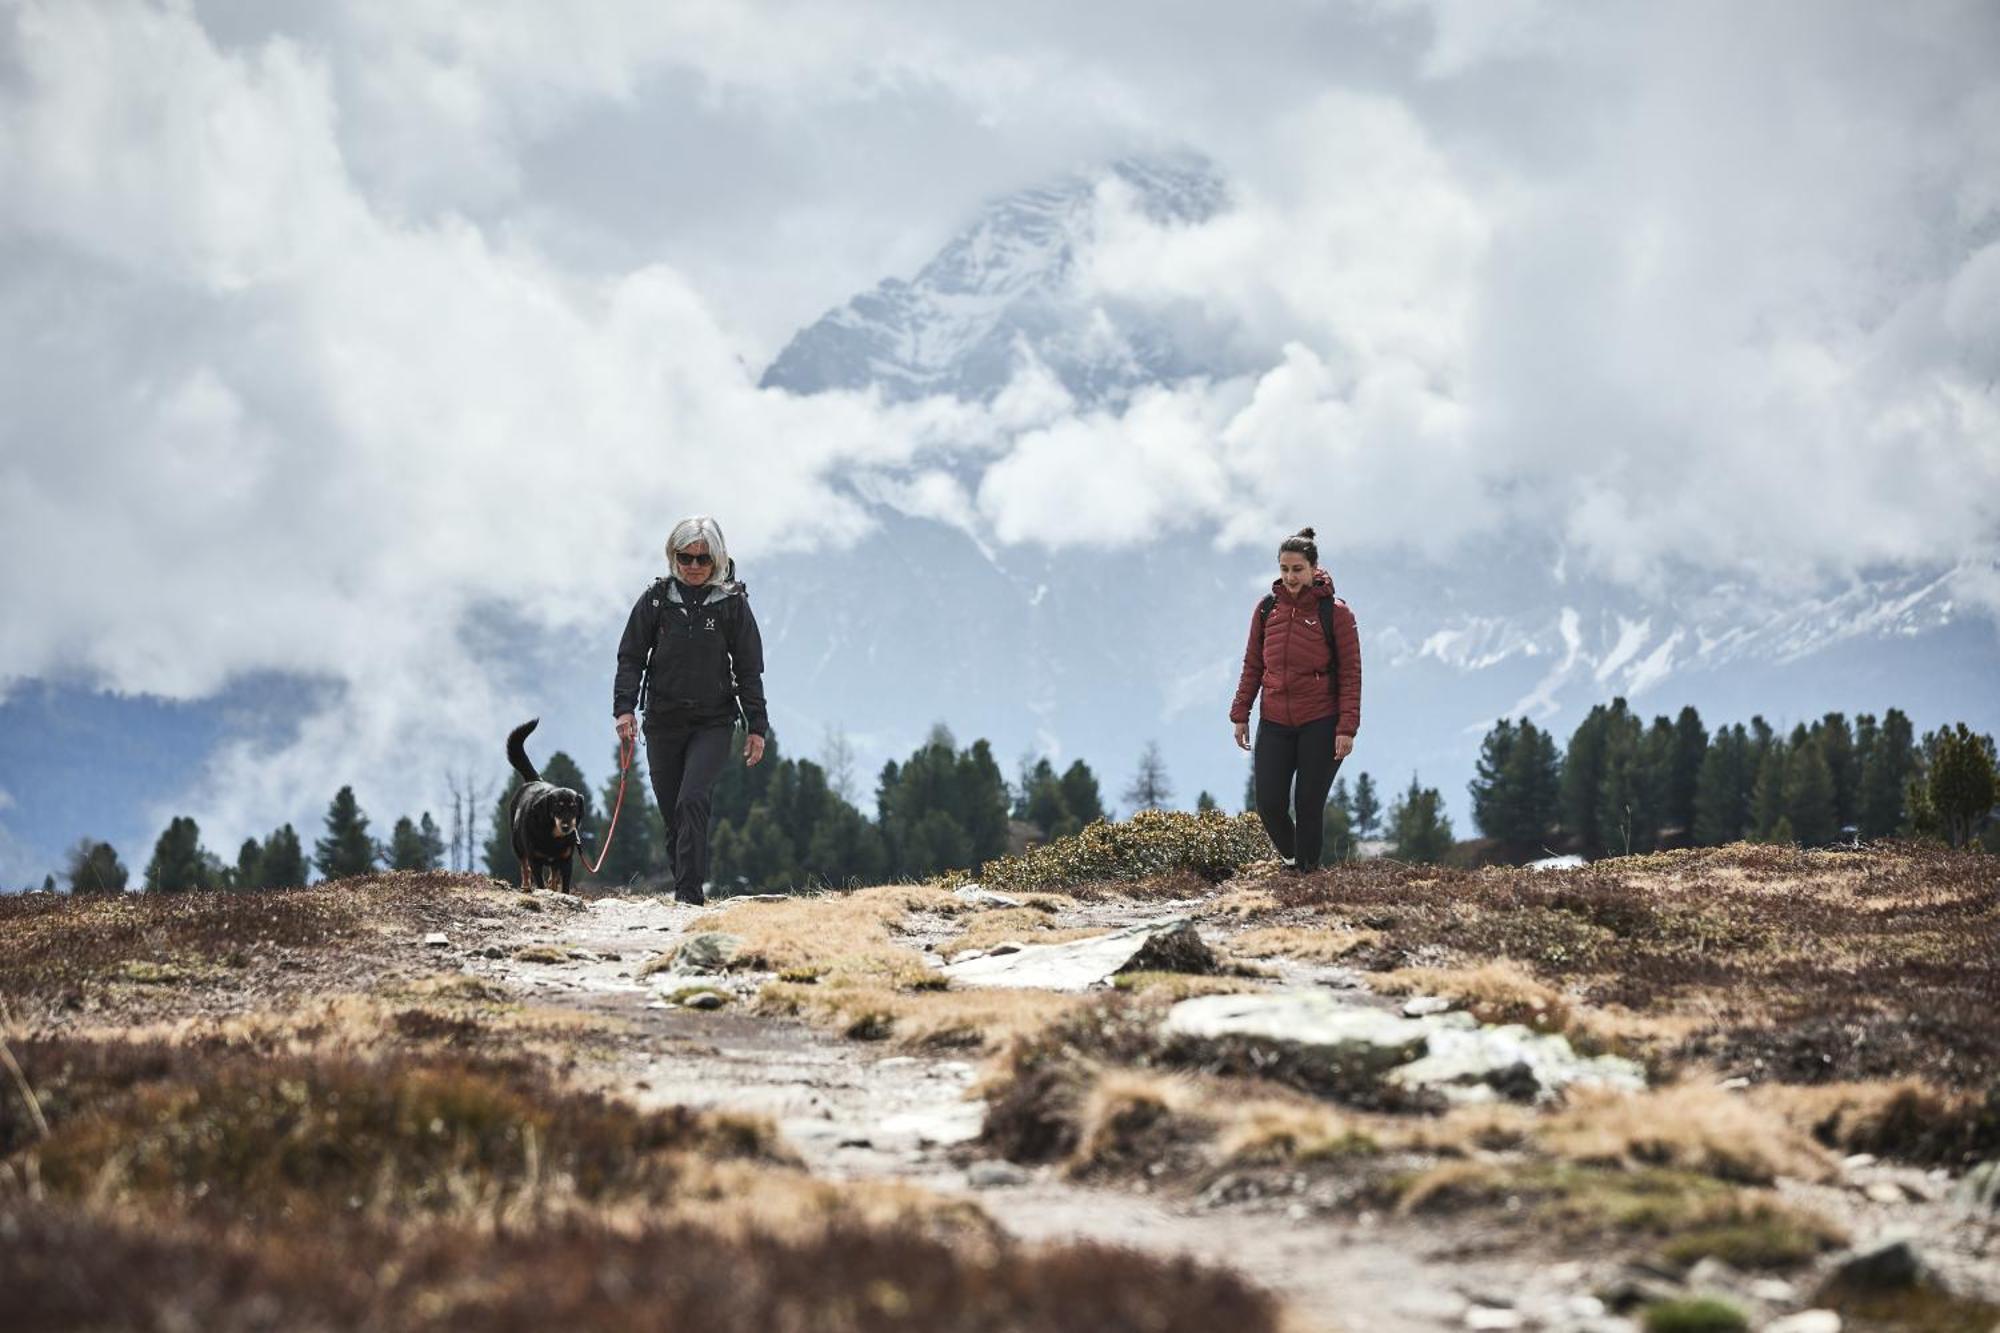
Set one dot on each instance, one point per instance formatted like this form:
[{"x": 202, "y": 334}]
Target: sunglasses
[{"x": 702, "y": 561}]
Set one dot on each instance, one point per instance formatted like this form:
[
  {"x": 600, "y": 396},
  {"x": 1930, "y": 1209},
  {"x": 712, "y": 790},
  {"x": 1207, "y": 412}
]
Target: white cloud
[{"x": 310, "y": 364}]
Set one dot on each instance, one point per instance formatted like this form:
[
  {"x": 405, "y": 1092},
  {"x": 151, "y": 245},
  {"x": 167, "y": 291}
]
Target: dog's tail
[{"x": 517, "y": 754}]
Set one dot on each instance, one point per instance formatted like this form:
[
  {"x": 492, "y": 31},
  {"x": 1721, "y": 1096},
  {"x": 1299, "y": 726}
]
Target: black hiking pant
[
  {"x": 1294, "y": 763},
  {"x": 685, "y": 762}
]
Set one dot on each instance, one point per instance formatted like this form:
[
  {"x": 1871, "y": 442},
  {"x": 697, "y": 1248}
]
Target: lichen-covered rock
[
  {"x": 1445, "y": 1057},
  {"x": 1469, "y": 1064},
  {"x": 710, "y": 951}
]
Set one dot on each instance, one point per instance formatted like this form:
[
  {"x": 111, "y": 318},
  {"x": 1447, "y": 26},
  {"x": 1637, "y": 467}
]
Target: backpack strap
[
  {"x": 1265, "y": 607},
  {"x": 1332, "y": 653},
  {"x": 656, "y": 591}
]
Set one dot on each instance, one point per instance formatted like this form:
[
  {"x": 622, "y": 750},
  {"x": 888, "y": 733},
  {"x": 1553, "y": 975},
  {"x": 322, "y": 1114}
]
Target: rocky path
[{"x": 856, "y": 1110}]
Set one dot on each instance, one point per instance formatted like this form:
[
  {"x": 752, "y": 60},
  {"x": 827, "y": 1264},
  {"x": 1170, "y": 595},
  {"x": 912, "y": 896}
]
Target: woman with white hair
[{"x": 691, "y": 660}]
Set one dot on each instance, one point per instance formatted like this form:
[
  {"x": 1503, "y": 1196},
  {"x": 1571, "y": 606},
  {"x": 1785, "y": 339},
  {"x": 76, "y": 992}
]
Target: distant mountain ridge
[{"x": 999, "y": 292}]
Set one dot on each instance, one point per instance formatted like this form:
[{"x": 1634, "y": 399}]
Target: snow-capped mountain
[
  {"x": 1094, "y": 654},
  {"x": 1039, "y": 652},
  {"x": 1000, "y": 291}
]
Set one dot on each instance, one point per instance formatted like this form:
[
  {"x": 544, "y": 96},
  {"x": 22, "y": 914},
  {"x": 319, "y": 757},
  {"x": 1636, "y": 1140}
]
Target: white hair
[{"x": 702, "y": 528}]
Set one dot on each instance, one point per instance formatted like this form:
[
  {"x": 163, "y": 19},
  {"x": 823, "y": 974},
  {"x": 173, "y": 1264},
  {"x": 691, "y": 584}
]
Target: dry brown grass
[
  {"x": 1807, "y": 967},
  {"x": 1904, "y": 1118},
  {"x": 847, "y": 934},
  {"x": 1690, "y": 1127},
  {"x": 1240, "y": 900},
  {"x": 1266, "y": 1130},
  {"x": 1308, "y": 944},
  {"x": 1501, "y": 991},
  {"x": 964, "y": 1020},
  {"x": 1681, "y": 1217},
  {"x": 1023, "y": 925},
  {"x": 1132, "y": 1123},
  {"x": 67, "y": 1268}
]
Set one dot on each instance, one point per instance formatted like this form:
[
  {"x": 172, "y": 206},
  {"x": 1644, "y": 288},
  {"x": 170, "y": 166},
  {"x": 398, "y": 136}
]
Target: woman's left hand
[
  {"x": 753, "y": 751},
  {"x": 1343, "y": 746}
]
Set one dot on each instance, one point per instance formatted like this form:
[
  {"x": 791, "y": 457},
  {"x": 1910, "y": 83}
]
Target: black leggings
[
  {"x": 1282, "y": 754},
  {"x": 685, "y": 762}
]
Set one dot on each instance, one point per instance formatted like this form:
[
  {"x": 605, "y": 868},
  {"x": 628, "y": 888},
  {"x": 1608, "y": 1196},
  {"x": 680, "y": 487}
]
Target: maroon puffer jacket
[{"x": 1287, "y": 659}]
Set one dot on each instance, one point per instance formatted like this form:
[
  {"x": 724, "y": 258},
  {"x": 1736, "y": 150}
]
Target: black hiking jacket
[{"x": 707, "y": 659}]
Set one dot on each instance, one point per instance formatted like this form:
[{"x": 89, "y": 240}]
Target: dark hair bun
[{"x": 1307, "y": 533}]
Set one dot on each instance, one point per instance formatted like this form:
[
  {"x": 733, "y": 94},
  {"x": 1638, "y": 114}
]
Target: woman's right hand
[
  {"x": 1242, "y": 735},
  {"x": 628, "y": 727}
]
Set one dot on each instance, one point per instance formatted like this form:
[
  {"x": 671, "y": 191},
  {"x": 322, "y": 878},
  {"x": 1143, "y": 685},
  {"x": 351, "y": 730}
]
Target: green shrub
[
  {"x": 1701, "y": 1315},
  {"x": 1152, "y": 843}
]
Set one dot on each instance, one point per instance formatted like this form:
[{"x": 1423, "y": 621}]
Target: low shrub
[
  {"x": 65, "y": 1268},
  {"x": 1702, "y": 1314},
  {"x": 247, "y": 1136},
  {"x": 1152, "y": 845}
]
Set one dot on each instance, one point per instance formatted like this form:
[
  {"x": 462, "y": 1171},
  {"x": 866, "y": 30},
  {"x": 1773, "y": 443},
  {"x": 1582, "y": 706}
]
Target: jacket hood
[
  {"x": 1321, "y": 586},
  {"x": 716, "y": 591}
]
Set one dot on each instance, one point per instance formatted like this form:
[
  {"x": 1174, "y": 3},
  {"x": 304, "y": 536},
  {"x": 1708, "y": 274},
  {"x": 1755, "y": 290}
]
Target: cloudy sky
[{"x": 335, "y": 330}]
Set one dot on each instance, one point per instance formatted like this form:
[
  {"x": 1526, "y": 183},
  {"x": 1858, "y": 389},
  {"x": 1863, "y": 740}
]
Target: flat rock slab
[
  {"x": 1081, "y": 964},
  {"x": 1448, "y": 1055},
  {"x": 972, "y": 893},
  {"x": 1314, "y": 1019},
  {"x": 1472, "y": 1064}
]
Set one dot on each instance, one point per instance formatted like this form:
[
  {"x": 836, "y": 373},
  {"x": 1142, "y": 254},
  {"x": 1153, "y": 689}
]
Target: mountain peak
[{"x": 1003, "y": 290}]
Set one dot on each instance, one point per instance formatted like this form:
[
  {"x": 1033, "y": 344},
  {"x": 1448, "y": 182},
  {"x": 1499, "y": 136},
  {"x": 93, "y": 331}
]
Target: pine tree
[
  {"x": 282, "y": 862},
  {"x": 1622, "y": 782},
  {"x": 1149, "y": 788},
  {"x": 1837, "y": 746},
  {"x": 1722, "y": 806},
  {"x": 1495, "y": 806},
  {"x": 1204, "y": 802},
  {"x": 1767, "y": 796},
  {"x": 1081, "y": 796},
  {"x": 1690, "y": 751},
  {"x": 498, "y": 853},
  {"x": 346, "y": 849},
  {"x": 1961, "y": 787},
  {"x": 982, "y": 802},
  {"x": 1367, "y": 807},
  {"x": 1583, "y": 779},
  {"x": 1044, "y": 806},
  {"x": 846, "y": 850},
  {"x": 1887, "y": 765},
  {"x": 249, "y": 865},
  {"x": 179, "y": 861},
  {"x": 1809, "y": 795},
  {"x": 943, "y": 809},
  {"x": 1418, "y": 826},
  {"x": 416, "y": 846},
  {"x": 1653, "y": 788},
  {"x": 94, "y": 867},
  {"x": 1336, "y": 834},
  {"x": 1515, "y": 797},
  {"x": 1536, "y": 777}
]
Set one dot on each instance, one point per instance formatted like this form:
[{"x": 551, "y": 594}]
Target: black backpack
[{"x": 1269, "y": 604}]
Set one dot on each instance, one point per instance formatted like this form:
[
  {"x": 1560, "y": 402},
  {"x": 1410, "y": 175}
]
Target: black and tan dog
[{"x": 544, "y": 818}]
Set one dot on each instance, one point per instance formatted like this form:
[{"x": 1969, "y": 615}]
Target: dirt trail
[{"x": 856, "y": 1110}]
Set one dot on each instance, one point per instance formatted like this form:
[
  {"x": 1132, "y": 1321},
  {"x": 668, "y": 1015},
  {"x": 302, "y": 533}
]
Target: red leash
[{"x": 625, "y": 749}]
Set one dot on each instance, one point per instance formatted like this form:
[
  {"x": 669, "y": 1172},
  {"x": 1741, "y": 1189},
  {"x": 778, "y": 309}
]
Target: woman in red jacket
[{"x": 1305, "y": 655}]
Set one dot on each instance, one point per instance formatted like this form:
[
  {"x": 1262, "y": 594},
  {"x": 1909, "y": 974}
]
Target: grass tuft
[{"x": 1701, "y": 1314}]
